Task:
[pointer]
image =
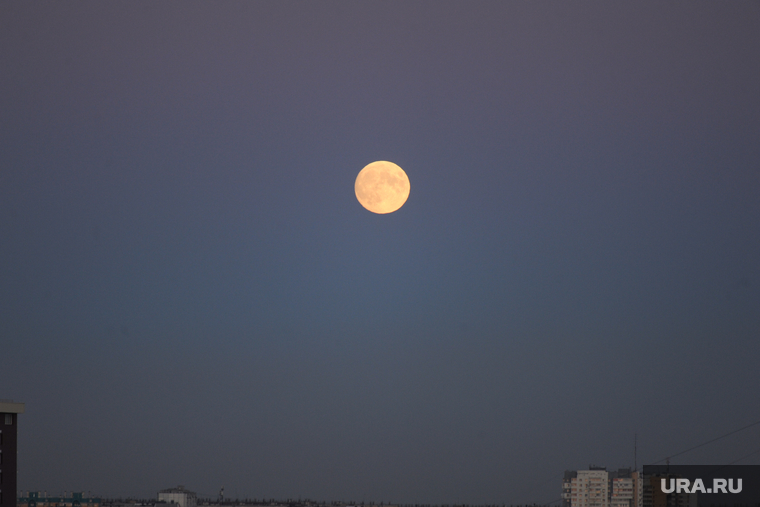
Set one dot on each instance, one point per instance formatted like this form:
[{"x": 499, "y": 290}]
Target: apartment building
[{"x": 596, "y": 487}]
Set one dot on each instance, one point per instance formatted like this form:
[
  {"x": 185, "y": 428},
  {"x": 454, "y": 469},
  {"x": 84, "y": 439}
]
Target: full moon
[{"x": 382, "y": 187}]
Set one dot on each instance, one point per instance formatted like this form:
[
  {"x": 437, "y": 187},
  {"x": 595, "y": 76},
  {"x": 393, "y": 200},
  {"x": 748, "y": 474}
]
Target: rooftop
[{"x": 11, "y": 407}]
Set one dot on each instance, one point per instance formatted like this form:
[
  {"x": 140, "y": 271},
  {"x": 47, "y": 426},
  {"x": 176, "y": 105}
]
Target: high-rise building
[
  {"x": 586, "y": 488},
  {"x": 596, "y": 487},
  {"x": 625, "y": 488},
  {"x": 9, "y": 411}
]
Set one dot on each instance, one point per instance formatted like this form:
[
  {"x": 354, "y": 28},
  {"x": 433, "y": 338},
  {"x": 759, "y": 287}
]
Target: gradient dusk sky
[{"x": 191, "y": 294}]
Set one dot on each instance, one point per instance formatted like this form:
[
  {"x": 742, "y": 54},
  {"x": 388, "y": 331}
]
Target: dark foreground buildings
[{"x": 9, "y": 412}]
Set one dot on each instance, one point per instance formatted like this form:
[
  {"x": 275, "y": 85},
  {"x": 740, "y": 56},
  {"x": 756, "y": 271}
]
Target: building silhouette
[{"x": 9, "y": 412}]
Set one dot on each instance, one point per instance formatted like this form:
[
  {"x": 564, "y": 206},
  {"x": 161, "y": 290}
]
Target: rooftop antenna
[{"x": 635, "y": 448}]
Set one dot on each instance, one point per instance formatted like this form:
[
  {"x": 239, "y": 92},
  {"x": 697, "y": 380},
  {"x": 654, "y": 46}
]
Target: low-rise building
[{"x": 178, "y": 495}]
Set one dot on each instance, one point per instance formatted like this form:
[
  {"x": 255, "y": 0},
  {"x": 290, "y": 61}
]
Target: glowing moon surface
[{"x": 382, "y": 187}]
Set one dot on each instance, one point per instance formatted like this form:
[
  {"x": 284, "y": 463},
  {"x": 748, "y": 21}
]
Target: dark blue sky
[{"x": 191, "y": 294}]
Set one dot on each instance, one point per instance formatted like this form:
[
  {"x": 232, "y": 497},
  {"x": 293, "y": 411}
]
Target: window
[{"x": 8, "y": 419}]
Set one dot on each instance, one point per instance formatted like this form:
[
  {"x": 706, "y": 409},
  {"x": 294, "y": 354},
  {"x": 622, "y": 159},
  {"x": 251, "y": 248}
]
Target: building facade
[
  {"x": 9, "y": 412},
  {"x": 178, "y": 495},
  {"x": 596, "y": 487}
]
